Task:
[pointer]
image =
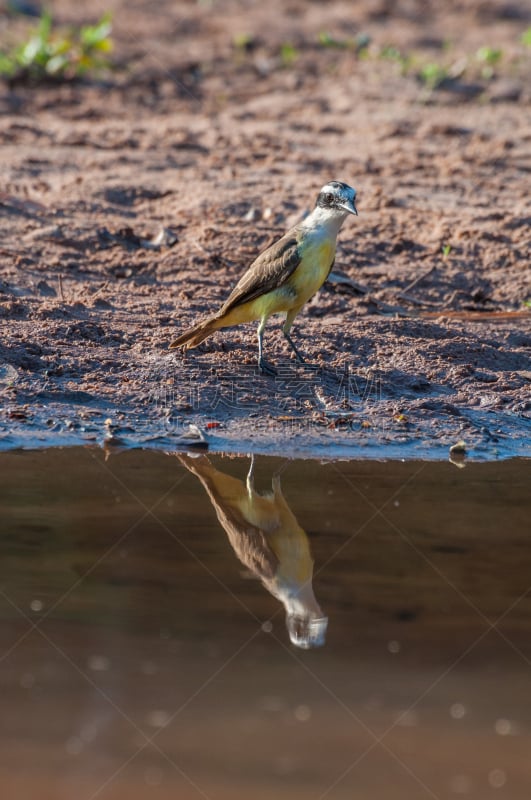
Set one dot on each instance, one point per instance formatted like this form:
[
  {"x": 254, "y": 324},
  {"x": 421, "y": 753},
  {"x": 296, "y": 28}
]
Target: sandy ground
[{"x": 214, "y": 133}]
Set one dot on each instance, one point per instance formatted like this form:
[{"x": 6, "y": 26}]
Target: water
[{"x": 144, "y": 650}]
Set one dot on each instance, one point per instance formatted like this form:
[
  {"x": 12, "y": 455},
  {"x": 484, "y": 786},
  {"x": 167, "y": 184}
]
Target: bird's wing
[
  {"x": 248, "y": 541},
  {"x": 269, "y": 271}
]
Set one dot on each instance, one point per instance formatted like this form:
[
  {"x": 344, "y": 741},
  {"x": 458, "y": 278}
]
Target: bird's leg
[
  {"x": 290, "y": 316},
  {"x": 250, "y": 477},
  {"x": 294, "y": 348},
  {"x": 264, "y": 366}
]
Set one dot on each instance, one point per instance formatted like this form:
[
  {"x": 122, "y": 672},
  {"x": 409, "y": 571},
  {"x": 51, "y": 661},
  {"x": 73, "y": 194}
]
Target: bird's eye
[{"x": 329, "y": 198}]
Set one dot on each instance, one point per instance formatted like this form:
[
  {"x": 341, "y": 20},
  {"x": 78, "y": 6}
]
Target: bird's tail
[{"x": 194, "y": 336}]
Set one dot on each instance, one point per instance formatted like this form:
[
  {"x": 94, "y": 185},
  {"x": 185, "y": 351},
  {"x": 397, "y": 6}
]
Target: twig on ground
[
  {"x": 386, "y": 308},
  {"x": 338, "y": 279},
  {"x": 420, "y": 278},
  {"x": 405, "y": 293},
  {"x": 97, "y": 292},
  {"x": 416, "y": 301}
]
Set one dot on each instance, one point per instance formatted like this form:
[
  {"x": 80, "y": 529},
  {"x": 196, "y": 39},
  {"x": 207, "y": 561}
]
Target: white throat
[
  {"x": 324, "y": 219},
  {"x": 297, "y": 600}
]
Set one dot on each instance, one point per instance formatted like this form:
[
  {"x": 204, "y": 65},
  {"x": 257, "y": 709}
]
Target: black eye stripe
[{"x": 334, "y": 195}]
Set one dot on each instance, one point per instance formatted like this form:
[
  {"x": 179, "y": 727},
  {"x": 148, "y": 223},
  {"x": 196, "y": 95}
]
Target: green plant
[
  {"x": 359, "y": 44},
  {"x": 49, "y": 54},
  {"x": 489, "y": 57},
  {"x": 243, "y": 41},
  {"x": 391, "y": 53},
  {"x": 446, "y": 250},
  {"x": 288, "y": 54},
  {"x": 432, "y": 75},
  {"x": 327, "y": 40},
  {"x": 526, "y": 37}
]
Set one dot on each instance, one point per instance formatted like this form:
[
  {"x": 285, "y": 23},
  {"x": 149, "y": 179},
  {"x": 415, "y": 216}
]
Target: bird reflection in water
[{"x": 269, "y": 541}]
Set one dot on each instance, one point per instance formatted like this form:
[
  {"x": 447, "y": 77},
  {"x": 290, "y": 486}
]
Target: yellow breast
[
  {"x": 290, "y": 543},
  {"x": 317, "y": 255}
]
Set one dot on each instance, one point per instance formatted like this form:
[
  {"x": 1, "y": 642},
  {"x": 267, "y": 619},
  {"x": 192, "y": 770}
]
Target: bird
[
  {"x": 285, "y": 276},
  {"x": 268, "y": 540}
]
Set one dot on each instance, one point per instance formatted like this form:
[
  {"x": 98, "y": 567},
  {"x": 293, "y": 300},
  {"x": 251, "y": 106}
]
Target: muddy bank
[{"x": 130, "y": 207}]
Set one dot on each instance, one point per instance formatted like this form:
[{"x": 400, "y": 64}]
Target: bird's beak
[
  {"x": 307, "y": 632},
  {"x": 350, "y": 207}
]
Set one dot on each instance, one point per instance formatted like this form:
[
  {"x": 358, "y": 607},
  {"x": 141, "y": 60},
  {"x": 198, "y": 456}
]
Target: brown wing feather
[
  {"x": 248, "y": 542},
  {"x": 269, "y": 271}
]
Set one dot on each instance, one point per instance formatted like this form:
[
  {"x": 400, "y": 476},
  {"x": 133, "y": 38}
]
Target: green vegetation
[
  {"x": 288, "y": 54},
  {"x": 359, "y": 44},
  {"x": 489, "y": 57},
  {"x": 451, "y": 67},
  {"x": 483, "y": 63},
  {"x": 432, "y": 75},
  {"x": 446, "y": 250},
  {"x": 391, "y": 53},
  {"x": 243, "y": 41},
  {"x": 327, "y": 40},
  {"x": 52, "y": 55}
]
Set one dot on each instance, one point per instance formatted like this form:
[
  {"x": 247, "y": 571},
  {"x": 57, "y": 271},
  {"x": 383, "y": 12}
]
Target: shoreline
[{"x": 239, "y": 436}]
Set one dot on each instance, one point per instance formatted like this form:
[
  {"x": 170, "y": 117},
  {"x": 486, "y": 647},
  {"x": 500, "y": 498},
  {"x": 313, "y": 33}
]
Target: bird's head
[
  {"x": 337, "y": 198},
  {"x": 305, "y": 620},
  {"x": 307, "y": 631}
]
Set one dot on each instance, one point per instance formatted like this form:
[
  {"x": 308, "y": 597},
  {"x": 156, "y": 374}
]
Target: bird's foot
[
  {"x": 306, "y": 364},
  {"x": 300, "y": 357},
  {"x": 266, "y": 368}
]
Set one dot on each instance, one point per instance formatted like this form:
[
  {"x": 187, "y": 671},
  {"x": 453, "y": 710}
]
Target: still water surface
[{"x": 175, "y": 627}]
